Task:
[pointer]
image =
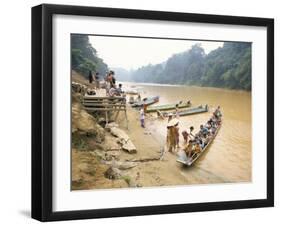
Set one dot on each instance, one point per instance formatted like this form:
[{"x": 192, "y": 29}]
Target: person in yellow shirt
[
  {"x": 197, "y": 148},
  {"x": 188, "y": 148}
]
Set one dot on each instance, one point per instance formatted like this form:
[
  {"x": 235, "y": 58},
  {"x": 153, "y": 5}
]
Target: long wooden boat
[
  {"x": 182, "y": 157},
  {"x": 185, "y": 112},
  {"x": 167, "y": 107},
  {"x": 146, "y": 101},
  {"x": 131, "y": 91}
]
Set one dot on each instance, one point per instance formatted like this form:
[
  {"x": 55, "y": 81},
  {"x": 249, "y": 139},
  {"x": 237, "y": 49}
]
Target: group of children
[{"x": 194, "y": 144}]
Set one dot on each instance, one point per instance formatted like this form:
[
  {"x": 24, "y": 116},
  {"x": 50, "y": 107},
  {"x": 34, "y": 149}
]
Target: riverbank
[
  {"x": 222, "y": 163},
  {"x": 149, "y": 170}
]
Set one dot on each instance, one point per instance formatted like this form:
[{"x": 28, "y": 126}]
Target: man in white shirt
[{"x": 142, "y": 116}]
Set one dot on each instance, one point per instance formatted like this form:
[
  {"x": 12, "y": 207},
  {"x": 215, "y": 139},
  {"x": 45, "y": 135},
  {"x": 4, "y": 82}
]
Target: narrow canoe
[
  {"x": 182, "y": 157},
  {"x": 189, "y": 111},
  {"x": 166, "y": 107},
  {"x": 131, "y": 91},
  {"x": 146, "y": 101}
]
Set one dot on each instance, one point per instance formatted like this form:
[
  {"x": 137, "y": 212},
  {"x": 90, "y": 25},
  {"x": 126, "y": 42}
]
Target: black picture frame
[{"x": 42, "y": 108}]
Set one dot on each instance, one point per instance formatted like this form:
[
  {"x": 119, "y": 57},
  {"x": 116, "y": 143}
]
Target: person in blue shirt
[{"x": 203, "y": 129}]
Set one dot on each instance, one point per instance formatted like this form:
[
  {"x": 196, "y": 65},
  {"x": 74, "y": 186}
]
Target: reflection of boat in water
[
  {"x": 189, "y": 111},
  {"x": 166, "y": 107},
  {"x": 184, "y": 159},
  {"x": 146, "y": 101}
]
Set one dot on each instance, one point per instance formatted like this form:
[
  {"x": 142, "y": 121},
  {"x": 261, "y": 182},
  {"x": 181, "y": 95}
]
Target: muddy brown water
[{"x": 229, "y": 157}]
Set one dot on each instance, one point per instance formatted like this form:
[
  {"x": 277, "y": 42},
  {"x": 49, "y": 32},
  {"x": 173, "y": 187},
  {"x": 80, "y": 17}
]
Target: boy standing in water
[{"x": 142, "y": 116}]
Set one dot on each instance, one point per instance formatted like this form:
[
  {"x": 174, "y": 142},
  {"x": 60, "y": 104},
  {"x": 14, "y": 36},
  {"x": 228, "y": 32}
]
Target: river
[{"x": 229, "y": 157}]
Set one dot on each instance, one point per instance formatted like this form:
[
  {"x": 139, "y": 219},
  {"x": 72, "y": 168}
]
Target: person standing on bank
[
  {"x": 97, "y": 78},
  {"x": 90, "y": 76},
  {"x": 172, "y": 135},
  {"x": 142, "y": 116}
]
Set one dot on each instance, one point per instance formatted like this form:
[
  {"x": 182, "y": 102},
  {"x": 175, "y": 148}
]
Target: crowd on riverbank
[{"x": 108, "y": 82}]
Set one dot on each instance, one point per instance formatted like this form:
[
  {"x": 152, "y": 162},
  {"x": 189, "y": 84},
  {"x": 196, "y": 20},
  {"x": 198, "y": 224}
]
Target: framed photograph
[{"x": 145, "y": 112}]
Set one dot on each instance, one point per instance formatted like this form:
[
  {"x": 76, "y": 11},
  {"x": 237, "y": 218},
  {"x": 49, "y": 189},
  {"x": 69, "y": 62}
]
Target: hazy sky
[{"x": 132, "y": 53}]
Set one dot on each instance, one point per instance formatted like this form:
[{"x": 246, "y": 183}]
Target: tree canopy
[
  {"x": 228, "y": 66},
  {"x": 84, "y": 57}
]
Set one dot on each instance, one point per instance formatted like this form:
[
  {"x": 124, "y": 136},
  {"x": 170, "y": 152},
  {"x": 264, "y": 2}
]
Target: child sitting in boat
[
  {"x": 188, "y": 148},
  {"x": 205, "y": 140},
  {"x": 197, "y": 148},
  {"x": 217, "y": 112},
  {"x": 191, "y": 128},
  {"x": 185, "y": 135},
  {"x": 203, "y": 129}
]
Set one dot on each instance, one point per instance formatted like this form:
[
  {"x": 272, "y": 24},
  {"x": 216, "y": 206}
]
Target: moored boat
[
  {"x": 185, "y": 112},
  {"x": 131, "y": 92},
  {"x": 184, "y": 159},
  {"x": 146, "y": 101},
  {"x": 167, "y": 107}
]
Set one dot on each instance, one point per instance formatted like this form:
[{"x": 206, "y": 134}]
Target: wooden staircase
[{"x": 106, "y": 104}]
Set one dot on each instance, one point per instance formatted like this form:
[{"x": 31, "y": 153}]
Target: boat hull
[
  {"x": 190, "y": 111},
  {"x": 146, "y": 102},
  {"x": 167, "y": 107}
]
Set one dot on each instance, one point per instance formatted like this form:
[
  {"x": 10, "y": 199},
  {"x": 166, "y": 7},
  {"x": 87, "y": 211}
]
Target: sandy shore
[{"x": 148, "y": 172}]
